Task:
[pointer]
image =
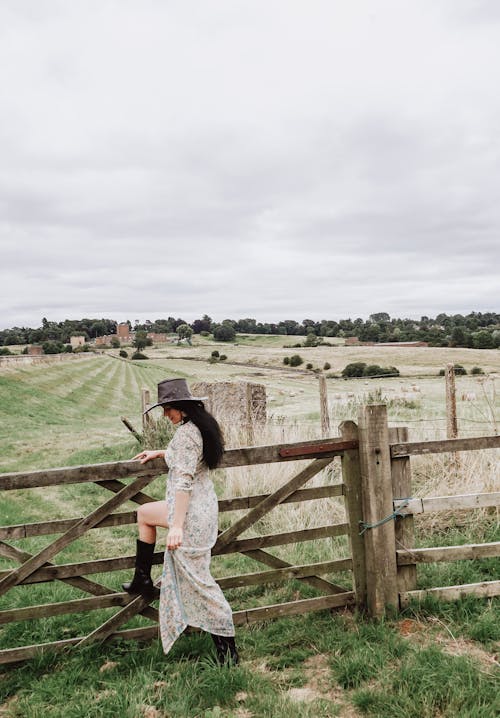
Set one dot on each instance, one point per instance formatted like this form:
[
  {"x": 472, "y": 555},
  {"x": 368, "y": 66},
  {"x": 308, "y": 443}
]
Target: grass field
[{"x": 436, "y": 659}]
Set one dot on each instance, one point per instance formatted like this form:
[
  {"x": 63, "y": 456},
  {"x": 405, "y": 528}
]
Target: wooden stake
[
  {"x": 323, "y": 405},
  {"x": 146, "y": 403},
  {"x": 451, "y": 403}
]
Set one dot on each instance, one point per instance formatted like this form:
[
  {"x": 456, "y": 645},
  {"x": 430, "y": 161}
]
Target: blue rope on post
[{"x": 395, "y": 514}]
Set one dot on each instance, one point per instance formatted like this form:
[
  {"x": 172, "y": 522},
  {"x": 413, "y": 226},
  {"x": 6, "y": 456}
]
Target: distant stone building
[
  {"x": 157, "y": 338},
  {"x": 123, "y": 332},
  {"x": 35, "y": 350},
  {"x": 77, "y": 341}
]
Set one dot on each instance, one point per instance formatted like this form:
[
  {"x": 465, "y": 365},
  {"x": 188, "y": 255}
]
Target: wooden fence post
[
  {"x": 351, "y": 477},
  {"x": 145, "y": 403},
  {"x": 451, "y": 403},
  {"x": 404, "y": 527},
  {"x": 379, "y": 536},
  {"x": 323, "y": 406}
]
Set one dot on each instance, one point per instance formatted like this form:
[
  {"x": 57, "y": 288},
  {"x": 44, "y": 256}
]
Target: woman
[{"x": 189, "y": 595}]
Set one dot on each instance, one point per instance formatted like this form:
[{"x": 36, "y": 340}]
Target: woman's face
[{"x": 174, "y": 415}]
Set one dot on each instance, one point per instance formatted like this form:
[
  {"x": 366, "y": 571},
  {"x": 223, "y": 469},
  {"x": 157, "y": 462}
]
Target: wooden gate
[{"x": 39, "y": 567}]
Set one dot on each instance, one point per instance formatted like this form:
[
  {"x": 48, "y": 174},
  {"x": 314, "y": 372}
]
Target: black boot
[
  {"x": 226, "y": 650},
  {"x": 142, "y": 582}
]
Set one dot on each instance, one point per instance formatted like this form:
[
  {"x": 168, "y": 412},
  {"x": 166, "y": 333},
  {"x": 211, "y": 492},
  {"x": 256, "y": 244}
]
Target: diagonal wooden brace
[
  {"x": 270, "y": 502},
  {"x": 136, "y": 605},
  {"x": 84, "y": 584},
  {"x": 73, "y": 533}
]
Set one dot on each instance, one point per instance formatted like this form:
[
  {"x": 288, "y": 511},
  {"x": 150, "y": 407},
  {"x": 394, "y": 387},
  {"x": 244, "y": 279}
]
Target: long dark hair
[{"x": 213, "y": 441}]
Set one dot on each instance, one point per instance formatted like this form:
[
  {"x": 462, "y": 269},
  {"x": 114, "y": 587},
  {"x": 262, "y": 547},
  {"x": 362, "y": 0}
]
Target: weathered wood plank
[
  {"x": 59, "y": 526},
  {"x": 351, "y": 473},
  {"x": 413, "y": 448},
  {"x": 109, "y": 471},
  {"x": 65, "y": 571},
  {"x": 18, "y": 531},
  {"x": 15, "y": 655},
  {"x": 292, "y": 608},
  {"x": 316, "y": 492},
  {"x": 243, "y": 545},
  {"x": 380, "y": 549},
  {"x": 61, "y": 608},
  {"x": 112, "y": 470},
  {"x": 269, "y": 503},
  {"x": 270, "y": 454},
  {"x": 135, "y": 606},
  {"x": 96, "y": 589},
  {"x": 274, "y": 562},
  {"x": 285, "y": 574},
  {"x": 485, "y": 589},
  {"x": 444, "y": 503},
  {"x": 75, "y": 532},
  {"x": 448, "y": 553},
  {"x": 404, "y": 528}
]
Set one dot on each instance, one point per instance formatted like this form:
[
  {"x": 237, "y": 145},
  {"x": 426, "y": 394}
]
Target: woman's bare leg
[{"x": 149, "y": 516}]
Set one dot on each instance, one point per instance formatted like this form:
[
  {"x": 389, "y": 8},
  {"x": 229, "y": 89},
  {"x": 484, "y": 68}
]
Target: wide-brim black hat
[{"x": 170, "y": 390}]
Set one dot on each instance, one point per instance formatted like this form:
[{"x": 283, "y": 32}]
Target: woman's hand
[
  {"x": 146, "y": 456},
  {"x": 174, "y": 538}
]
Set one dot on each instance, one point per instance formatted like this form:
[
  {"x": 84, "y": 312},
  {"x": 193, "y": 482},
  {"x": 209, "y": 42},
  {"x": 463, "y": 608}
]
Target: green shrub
[
  {"x": 309, "y": 366},
  {"x": 327, "y": 366},
  {"x": 115, "y": 343},
  {"x": 476, "y": 370},
  {"x": 215, "y": 354},
  {"x": 354, "y": 369},
  {"x": 204, "y": 333},
  {"x": 458, "y": 369},
  {"x": 296, "y": 360},
  {"x": 52, "y": 347},
  {"x": 123, "y": 353},
  {"x": 5, "y": 351},
  {"x": 222, "y": 357},
  {"x": 138, "y": 355},
  {"x": 286, "y": 360}
]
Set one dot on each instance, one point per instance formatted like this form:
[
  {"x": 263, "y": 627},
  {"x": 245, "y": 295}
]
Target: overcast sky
[{"x": 248, "y": 158}]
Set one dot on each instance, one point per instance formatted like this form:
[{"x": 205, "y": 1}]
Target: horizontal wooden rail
[
  {"x": 60, "y": 608},
  {"x": 486, "y": 589},
  {"x": 316, "y": 492},
  {"x": 444, "y": 503},
  {"x": 111, "y": 600},
  {"x": 281, "y": 539},
  {"x": 109, "y": 471},
  {"x": 412, "y": 448},
  {"x": 284, "y": 574},
  {"x": 252, "y": 615},
  {"x": 69, "y": 570},
  {"x": 254, "y": 455},
  {"x": 448, "y": 553},
  {"x": 123, "y": 518},
  {"x": 105, "y": 565}
]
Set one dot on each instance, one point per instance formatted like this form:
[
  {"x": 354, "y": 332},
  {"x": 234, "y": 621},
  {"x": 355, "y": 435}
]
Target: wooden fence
[{"x": 376, "y": 487}]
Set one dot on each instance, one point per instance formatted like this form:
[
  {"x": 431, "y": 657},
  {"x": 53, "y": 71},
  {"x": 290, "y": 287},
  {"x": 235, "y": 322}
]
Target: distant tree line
[{"x": 476, "y": 330}]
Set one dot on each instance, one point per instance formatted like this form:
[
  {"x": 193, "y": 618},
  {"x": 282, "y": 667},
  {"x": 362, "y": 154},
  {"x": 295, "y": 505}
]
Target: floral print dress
[{"x": 189, "y": 595}]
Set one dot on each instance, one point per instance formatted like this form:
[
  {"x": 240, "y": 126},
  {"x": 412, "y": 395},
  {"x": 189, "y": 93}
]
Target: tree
[
  {"x": 354, "y": 369},
  {"x": 224, "y": 332},
  {"x": 140, "y": 340},
  {"x": 184, "y": 331}
]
